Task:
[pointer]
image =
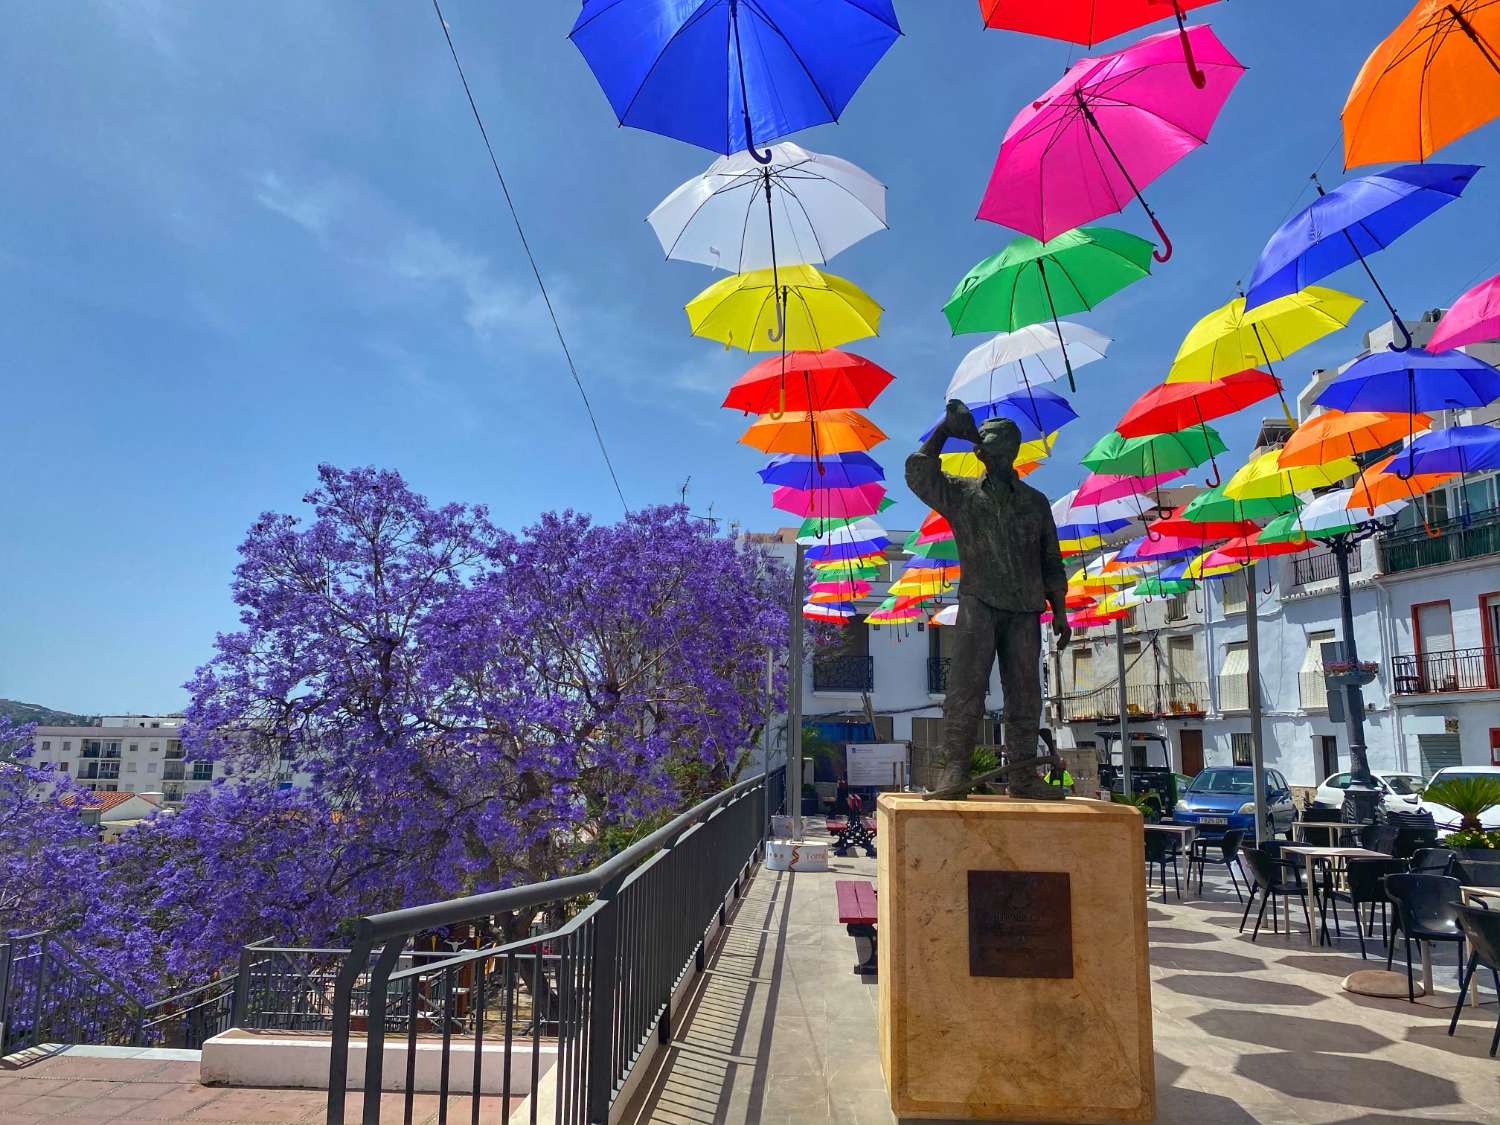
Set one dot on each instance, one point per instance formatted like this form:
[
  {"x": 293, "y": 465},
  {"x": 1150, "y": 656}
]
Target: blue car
[{"x": 1223, "y": 797}]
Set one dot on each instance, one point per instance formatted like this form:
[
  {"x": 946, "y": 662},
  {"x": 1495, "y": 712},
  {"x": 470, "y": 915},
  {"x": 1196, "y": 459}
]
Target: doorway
[
  {"x": 1191, "y": 743},
  {"x": 1328, "y": 755}
]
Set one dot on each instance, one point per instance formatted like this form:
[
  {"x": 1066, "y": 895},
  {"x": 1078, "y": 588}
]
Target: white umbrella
[
  {"x": 1125, "y": 508},
  {"x": 856, "y": 532},
  {"x": 818, "y": 205},
  {"x": 1036, "y": 350},
  {"x": 948, "y": 615},
  {"x": 1331, "y": 510}
]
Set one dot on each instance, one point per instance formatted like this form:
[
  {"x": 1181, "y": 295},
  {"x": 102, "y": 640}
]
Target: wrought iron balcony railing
[
  {"x": 937, "y": 674},
  {"x": 1454, "y": 541},
  {"x": 844, "y": 673},
  {"x": 1320, "y": 566},
  {"x": 1464, "y": 669},
  {"x": 1179, "y": 697}
]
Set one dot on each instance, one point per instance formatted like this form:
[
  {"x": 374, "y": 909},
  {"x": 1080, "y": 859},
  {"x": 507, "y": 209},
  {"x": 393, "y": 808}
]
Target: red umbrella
[
  {"x": 1170, "y": 407},
  {"x": 1246, "y": 547},
  {"x": 1085, "y": 21},
  {"x": 1203, "y": 531},
  {"x": 827, "y": 380},
  {"x": 933, "y": 528}
]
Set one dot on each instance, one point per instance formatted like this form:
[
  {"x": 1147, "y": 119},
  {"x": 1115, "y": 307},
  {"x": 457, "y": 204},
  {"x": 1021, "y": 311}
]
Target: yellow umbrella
[
  {"x": 1120, "y": 599},
  {"x": 1196, "y": 569},
  {"x": 1078, "y": 546},
  {"x": 967, "y": 464},
  {"x": 792, "y": 308},
  {"x": 916, "y": 583},
  {"x": 1264, "y": 477},
  {"x": 1229, "y": 340}
]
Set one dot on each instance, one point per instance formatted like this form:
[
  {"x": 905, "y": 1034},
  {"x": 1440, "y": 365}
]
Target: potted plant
[{"x": 1469, "y": 797}]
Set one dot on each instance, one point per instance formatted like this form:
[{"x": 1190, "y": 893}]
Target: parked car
[
  {"x": 1446, "y": 818},
  {"x": 1223, "y": 797},
  {"x": 1399, "y": 792}
]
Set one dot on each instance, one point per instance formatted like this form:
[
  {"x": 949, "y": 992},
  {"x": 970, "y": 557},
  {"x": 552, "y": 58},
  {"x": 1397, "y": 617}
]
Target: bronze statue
[{"x": 1010, "y": 570}]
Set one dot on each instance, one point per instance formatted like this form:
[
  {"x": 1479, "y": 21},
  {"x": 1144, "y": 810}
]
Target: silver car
[{"x": 1399, "y": 792}]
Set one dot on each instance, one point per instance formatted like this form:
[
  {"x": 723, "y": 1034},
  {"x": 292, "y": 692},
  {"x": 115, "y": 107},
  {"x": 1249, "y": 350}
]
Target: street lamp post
[
  {"x": 794, "y": 695},
  {"x": 1362, "y": 797}
]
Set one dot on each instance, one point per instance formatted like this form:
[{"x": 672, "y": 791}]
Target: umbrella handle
[
  {"x": 779, "y": 332},
  {"x": 778, "y": 414},
  {"x": 1432, "y": 532},
  {"x": 1266, "y": 589},
  {"x": 1217, "y": 479},
  {"x": 1198, "y": 77},
  {"x": 1165, "y": 253},
  {"x": 1406, "y": 340}
]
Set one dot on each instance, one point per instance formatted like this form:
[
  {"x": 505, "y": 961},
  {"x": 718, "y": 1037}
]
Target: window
[
  {"x": 203, "y": 771},
  {"x": 135, "y": 747},
  {"x": 155, "y": 747},
  {"x": 150, "y": 767},
  {"x": 67, "y": 746},
  {"x": 1083, "y": 669},
  {"x": 1328, "y": 758},
  {"x": 1177, "y": 607},
  {"x": 63, "y": 766},
  {"x": 46, "y": 746},
  {"x": 1241, "y": 749},
  {"x": 1234, "y": 679},
  {"x": 1310, "y": 684},
  {"x": 1232, "y": 592},
  {"x": 1339, "y": 781},
  {"x": 1495, "y": 746},
  {"x": 130, "y": 767}
]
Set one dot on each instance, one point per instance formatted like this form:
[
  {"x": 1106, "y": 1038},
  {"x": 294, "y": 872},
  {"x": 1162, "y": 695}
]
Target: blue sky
[{"x": 236, "y": 242}]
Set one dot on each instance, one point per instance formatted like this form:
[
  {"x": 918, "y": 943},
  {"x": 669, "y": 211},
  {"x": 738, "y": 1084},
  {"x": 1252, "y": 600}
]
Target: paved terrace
[{"x": 780, "y": 1031}]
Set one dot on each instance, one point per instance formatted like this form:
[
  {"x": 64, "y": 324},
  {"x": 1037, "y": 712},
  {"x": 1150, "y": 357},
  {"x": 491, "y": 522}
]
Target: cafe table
[
  {"x": 1299, "y": 828},
  {"x": 1185, "y": 834},
  {"x": 1310, "y": 854}
]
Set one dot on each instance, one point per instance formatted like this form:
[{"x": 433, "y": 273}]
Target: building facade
[{"x": 125, "y": 754}]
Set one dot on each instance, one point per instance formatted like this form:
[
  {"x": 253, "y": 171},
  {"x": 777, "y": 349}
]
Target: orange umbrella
[
  {"x": 817, "y": 431},
  {"x": 1335, "y": 433},
  {"x": 1431, "y": 80},
  {"x": 1376, "y": 487}
]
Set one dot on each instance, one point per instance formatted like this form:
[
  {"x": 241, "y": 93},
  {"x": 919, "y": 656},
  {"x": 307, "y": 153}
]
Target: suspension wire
[{"x": 526, "y": 246}]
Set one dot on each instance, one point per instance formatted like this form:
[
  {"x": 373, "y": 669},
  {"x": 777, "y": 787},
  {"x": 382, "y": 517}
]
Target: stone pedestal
[
  {"x": 796, "y": 855},
  {"x": 1012, "y": 951}
]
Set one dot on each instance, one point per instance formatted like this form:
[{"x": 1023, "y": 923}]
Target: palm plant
[{"x": 1470, "y": 797}]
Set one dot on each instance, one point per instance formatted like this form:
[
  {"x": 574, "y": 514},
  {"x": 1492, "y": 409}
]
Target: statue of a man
[{"x": 1010, "y": 570}]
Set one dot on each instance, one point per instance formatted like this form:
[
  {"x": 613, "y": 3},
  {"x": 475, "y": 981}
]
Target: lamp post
[
  {"x": 794, "y": 695},
  {"x": 1362, "y": 797}
]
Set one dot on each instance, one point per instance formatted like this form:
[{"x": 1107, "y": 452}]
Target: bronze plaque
[{"x": 1020, "y": 924}]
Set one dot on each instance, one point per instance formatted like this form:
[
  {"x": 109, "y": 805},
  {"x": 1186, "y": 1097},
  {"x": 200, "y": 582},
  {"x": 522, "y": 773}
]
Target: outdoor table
[
  {"x": 1185, "y": 834},
  {"x": 1472, "y": 896},
  {"x": 1310, "y": 854},
  {"x": 1298, "y": 827}
]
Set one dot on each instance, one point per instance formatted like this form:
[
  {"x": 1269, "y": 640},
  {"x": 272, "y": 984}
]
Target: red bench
[{"x": 857, "y": 911}]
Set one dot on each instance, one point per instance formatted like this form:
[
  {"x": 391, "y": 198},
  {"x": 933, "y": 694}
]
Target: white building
[{"x": 127, "y": 754}]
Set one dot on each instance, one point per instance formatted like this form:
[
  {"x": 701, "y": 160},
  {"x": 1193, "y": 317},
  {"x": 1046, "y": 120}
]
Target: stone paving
[{"x": 781, "y": 1032}]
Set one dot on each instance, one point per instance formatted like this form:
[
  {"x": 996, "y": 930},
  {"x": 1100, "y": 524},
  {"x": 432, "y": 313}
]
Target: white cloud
[{"x": 313, "y": 209}]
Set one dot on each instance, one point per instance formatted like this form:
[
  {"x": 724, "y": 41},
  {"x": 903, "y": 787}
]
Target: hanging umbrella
[
  {"x": 838, "y": 470},
  {"x": 834, "y": 613},
  {"x": 1037, "y": 414},
  {"x": 1109, "y": 486},
  {"x": 1032, "y": 454},
  {"x": 846, "y": 571},
  {"x": 1087, "y": 22},
  {"x": 1249, "y": 547},
  {"x": 826, "y": 380},
  {"x": 1412, "y": 381},
  {"x": 1070, "y": 547},
  {"x": 1031, "y": 282},
  {"x": 1337, "y": 433},
  {"x": 1296, "y": 526},
  {"x": 1204, "y": 566},
  {"x": 1263, "y": 476},
  {"x": 1357, "y": 218},
  {"x": 1067, "y": 509},
  {"x": 817, "y": 431},
  {"x": 981, "y": 374},
  {"x": 1460, "y": 449},
  {"x": 841, "y": 592},
  {"x": 1473, "y": 318},
  {"x": 1214, "y": 506},
  {"x": 1154, "y": 453},
  {"x": 934, "y": 523},
  {"x": 948, "y": 615},
  {"x": 1376, "y": 487},
  {"x": 1144, "y": 549},
  {"x": 1431, "y": 80},
  {"x": 801, "y": 308},
  {"x": 1105, "y": 130},
  {"x": 734, "y": 215},
  {"x": 860, "y": 500},
  {"x": 728, "y": 74},
  {"x": 815, "y": 533},
  {"x": 1075, "y": 531},
  {"x": 1178, "y": 525},
  {"x": 1170, "y": 407},
  {"x": 943, "y": 549},
  {"x": 1163, "y": 587}
]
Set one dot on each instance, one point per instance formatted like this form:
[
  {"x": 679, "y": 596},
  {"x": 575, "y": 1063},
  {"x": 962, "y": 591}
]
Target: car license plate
[{"x": 1213, "y": 820}]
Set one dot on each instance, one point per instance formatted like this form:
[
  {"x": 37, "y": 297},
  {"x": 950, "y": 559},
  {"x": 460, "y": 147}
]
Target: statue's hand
[
  {"x": 1061, "y": 630},
  {"x": 960, "y": 422}
]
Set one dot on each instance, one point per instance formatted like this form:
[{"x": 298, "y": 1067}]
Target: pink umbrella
[
  {"x": 1098, "y": 487},
  {"x": 1109, "y": 126},
  {"x": 831, "y": 503},
  {"x": 1474, "y": 317}
]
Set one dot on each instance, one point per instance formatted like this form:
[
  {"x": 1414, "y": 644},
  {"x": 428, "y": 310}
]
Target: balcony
[
  {"x": 1159, "y": 701},
  {"x": 937, "y": 674},
  {"x": 1321, "y": 566},
  {"x": 1453, "y": 542},
  {"x": 171, "y": 771},
  {"x": 844, "y": 673},
  {"x": 1464, "y": 669}
]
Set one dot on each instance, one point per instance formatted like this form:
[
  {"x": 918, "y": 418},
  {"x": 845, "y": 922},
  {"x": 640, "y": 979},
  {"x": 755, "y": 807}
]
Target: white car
[
  {"x": 1446, "y": 818},
  {"x": 1399, "y": 792}
]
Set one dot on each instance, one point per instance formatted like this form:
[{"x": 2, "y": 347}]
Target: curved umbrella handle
[
  {"x": 1266, "y": 589},
  {"x": 751, "y": 149},
  {"x": 780, "y": 412},
  {"x": 1218, "y": 480},
  {"x": 1166, "y": 253},
  {"x": 778, "y": 333},
  {"x": 1199, "y": 78},
  {"x": 1432, "y": 532},
  {"x": 1406, "y": 340}
]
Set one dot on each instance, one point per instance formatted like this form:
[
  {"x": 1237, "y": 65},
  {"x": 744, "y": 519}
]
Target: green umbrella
[
  {"x": 1153, "y": 453},
  {"x": 942, "y": 549},
  {"x": 1211, "y": 505},
  {"x": 1030, "y": 282},
  {"x": 1162, "y": 587},
  {"x": 1284, "y": 529}
]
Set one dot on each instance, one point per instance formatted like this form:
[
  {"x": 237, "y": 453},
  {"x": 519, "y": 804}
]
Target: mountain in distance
[{"x": 19, "y": 712}]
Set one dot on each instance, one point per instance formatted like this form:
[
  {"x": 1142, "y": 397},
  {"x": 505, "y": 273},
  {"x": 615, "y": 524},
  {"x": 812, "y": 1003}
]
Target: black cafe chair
[
  {"x": 1482, "y": 927},
  {"x": 1427, "y": 909}
]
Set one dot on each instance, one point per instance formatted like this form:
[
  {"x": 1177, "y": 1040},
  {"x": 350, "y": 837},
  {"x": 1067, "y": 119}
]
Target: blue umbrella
[
  {"x": 1131, "y": 551},
  {"x": 1085, "y": 530},
  {"x": 1356, "y": 218},
  {"x": 839, "y": 470},
  {"x": 1037, "y": 411},
  {"x": 847, "y": 549},
  {"x": 728, "y": 74},
  {"x": 1461, "y": 449}
]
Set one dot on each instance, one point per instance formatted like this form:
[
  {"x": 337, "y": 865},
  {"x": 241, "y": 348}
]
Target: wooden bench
[
  {"x": 852, "y": 832},
  {"x": 857, "y": 912}
]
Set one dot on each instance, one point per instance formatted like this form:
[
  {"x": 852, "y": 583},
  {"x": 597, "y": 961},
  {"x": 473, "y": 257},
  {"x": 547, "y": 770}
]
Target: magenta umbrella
[
  {"x": 1109, "y": 127},
  {"x": 1098, "y": 487},
  {"x": 1474, "y": 317},
  {"x": 833, "y": 503}
]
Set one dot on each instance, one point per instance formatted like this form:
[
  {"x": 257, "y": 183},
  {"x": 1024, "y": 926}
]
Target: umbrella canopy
[
  {"x": 1248, "y": 547},
  {"x": 1067, "y": 509},
  {"x": 853, "y": 550},
  {"x": 838, "y": 470},
  {"x": 1031, "y": 282},
  {"x": 1205, "y": 566},
  {"x": 1213, "y": 506},
  {"x": 797, "y": 307},
  {"x": 814, "y": 533},
  {"x": 1162, "y": 587},
  {"x": 847, "y": 571},
  {"x": 744, "y": 215},
  {"x": 1356, "y": 218},
  {"x": 1037, "y": 413},
  {"x": 1338, "y": 433},
  {"x": 1179, "y": 525},
  {"x": 948, "y": 615},
  {"x": 826, "y": 380},
  {"x": 1377, "y": 487},
  {"x": 1072, "y": 532},
  {"x": 1085, "y": 22},
  {"x": 1145, "y": 549},
  {"x": 859, "y": 500},
  {"x": 1430, "y": 81},
  {"x": 1461, "y": 449},
  {"x": 1035, "y": 350},
  {"x": 1264, "y": 476},
  {"x": 1105, "y": 130},
  {"x": 1296, "y": 526},
  {"x": 1474, "y": 317},
  {"x": 1108, "y": 486},
  {"x": 1412, "y": 381},
  {"x": 1031, "y": 455},
  {"x": 933, "y": 523},
  {"x": 818, "y": 431},
  {"x": 1169, "y": 407},
  {"x": 725, "y": 75},
  {"x": 834, "y": 592},
  {"x": 1154, "y": 453},
  {"x": 1325, "y": 514},
  {"x": 837, "y": 613},
  {"x": 1229, "y": 339},
  {"x": 942, "y": 549}
]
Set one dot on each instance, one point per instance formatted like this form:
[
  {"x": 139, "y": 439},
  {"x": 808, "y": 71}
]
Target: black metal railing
[
  {"x": 1322, "y": 566},
  {"x": 1454, "y": 541},
  {"x": 1178, "y": 697},
  {"x": 844, "y": 673},
  {"x": 1464, "y": 669},
  {"x": 50, "y": 992},
  {"x": 937, "y": 674},
  {"x": 593, "y": 990}
]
